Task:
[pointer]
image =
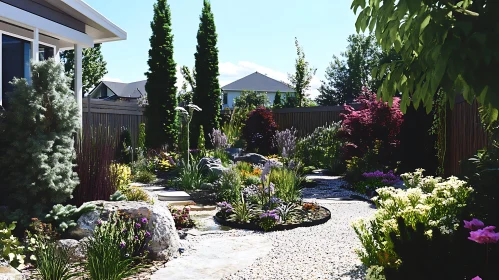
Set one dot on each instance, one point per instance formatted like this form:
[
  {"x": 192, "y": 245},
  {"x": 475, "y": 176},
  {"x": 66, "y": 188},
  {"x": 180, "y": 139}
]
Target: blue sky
[{"x": 253, "y": 35}]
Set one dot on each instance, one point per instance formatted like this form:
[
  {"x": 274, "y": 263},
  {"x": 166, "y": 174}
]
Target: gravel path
[{"x": 321, "y": 252}]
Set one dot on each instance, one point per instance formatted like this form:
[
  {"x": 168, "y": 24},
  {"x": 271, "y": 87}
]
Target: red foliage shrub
[
  {"x": 95, "y": 151},
  {"x": 259, "y": 131},
  {"x": 375, "y": 120}
]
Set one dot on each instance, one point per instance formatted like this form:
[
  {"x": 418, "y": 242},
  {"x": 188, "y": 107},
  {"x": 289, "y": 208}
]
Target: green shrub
[
  {"x": 230, "y": 186},
  {"x": 252, "y": 180},
  {"x": 222, "y": 155},
  {"x": 64, "y": 217},
  {"x": 244, "y": 166},
  {"x": 37, "y": 136},
  {"x": 201, "y": 143},
  {"x": 287, "y": 184},
  {"x": 11, "y": 248},
  {"x": 242, "y": 212},
  {"x": 52, "y": 262},
  {"x": 141, "y": 143},
  {"x": 322, "y": 148},
  {"x": 113, "y": 251},
  {"x": 190, "y": 177},
  {"x": 118, "y": 196},
  {"x": 233, "y": 129},
  {"x": 368, "y": 163},
  {"x": 125, "y": 151},
  {"x": 144, "y": 176},
  {"x": 434, "y": 202},
  {"x": 136, "y": 194}
]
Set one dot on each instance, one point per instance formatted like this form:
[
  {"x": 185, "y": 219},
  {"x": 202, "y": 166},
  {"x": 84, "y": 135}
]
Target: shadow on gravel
[{"x": 358, "y": 272}]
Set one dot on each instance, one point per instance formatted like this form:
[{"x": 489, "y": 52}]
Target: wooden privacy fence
[
  {"x": 465, "y": 135},
  {"x": 307, "y": 119},
  {"x": 113, "y": 115}
]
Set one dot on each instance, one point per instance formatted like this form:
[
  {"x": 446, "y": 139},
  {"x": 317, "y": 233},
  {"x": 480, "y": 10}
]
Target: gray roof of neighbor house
[
  {"x": 124, "y": 90},
  {"x": 258, "y": 82}
]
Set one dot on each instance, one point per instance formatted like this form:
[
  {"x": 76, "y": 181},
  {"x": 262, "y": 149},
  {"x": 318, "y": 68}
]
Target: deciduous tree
[
  {"x": 447, "y": 44},
  {"x": 301, "y": 79},
  {"x": 93, "y": 67}
]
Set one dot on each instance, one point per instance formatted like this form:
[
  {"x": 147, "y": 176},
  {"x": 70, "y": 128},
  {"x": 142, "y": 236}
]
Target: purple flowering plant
[
  {"x": 122, "y": 231},
  {"x": 286, "y": 142},
  {"x": 225, "y": 209},
  {"x": 482, "y": 234},
  {"x": 374, "y": 180},
  {"x": 219, "y": 140},
  {"x": 182, "y": 218},
  {"x": 268, "y": 219}
]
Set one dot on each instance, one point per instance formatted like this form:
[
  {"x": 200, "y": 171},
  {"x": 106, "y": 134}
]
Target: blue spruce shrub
[{"x": 37, "y": 133}]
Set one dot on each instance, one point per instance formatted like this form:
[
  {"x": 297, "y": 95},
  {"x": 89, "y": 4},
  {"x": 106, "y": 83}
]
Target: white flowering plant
[{"x": 433, "y": 201}]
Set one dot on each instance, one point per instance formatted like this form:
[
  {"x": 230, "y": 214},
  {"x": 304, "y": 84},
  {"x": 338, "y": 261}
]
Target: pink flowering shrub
[{"x": 374, "y": 120}]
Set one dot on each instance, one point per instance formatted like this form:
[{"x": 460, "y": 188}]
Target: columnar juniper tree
[
  {"x": 207, "y": 91},
  {"x": 36, "y": 166},
  {"x": 161, "y": 127}
]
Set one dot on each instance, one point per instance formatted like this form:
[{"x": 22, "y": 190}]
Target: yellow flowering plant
[
  {"x": 433, "y": 201},
  {"x": 122, "y": 173}
]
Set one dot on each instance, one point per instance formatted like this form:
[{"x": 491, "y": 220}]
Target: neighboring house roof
[
  {"x": 125, "y": 90},
  {"x": 258, "y": 82}
]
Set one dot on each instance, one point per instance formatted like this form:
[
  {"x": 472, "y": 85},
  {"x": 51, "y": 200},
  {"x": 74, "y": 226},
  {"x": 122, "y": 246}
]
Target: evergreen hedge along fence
[{"x": 465, "y": 134}]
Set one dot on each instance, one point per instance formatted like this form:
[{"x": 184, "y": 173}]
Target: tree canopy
[
  {"x": 251, "y": 100},
  {"x": 301, "y": 79},
  {"x": 93, "y": 67},
  {"x": 349, "y": 73},
  {"x": 444, "y": 44}
]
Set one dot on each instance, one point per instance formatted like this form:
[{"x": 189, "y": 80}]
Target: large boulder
[
  {"x": 165, "y": 241},
  {"x": 212, "y": 165},
  {"x": 234, "y": 152},
  {"x": 75, "y": 248},
  {"x": 252, "y": 158}
]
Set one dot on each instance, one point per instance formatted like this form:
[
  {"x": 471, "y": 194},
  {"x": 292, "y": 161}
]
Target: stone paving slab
[
  {"x": 173, "y": 196},
  {"x": 216, "y": 258}
]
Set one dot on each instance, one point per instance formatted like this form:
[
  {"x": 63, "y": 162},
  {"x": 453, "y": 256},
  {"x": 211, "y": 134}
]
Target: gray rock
[
  {"x": 75, "y": 247},
  {"x": 7, "y": 272},
  {"x": 209, "y": 164},
  {"x": 165, "y": 240},
  {"x": 234, "y": 152},
  {"x": 252, "y": 158}
]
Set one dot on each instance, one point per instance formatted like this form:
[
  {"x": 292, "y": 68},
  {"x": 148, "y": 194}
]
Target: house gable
[{"x": 257, "y": 82}]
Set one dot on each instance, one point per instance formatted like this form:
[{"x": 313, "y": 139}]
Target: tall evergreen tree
[
  {"x": 93, "y": 66},
  {"x": 162, "y": 121},
  {"x": 207, "y": 93}
]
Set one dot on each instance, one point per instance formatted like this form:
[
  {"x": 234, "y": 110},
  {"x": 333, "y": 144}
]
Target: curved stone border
[{"x": 252, "y": 226}]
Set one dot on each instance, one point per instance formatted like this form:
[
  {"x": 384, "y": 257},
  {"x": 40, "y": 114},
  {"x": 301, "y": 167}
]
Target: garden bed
[{"x": 323, "y": 216}]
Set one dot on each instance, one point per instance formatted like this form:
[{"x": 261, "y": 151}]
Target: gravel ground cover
[
  {"x": 321, "y": 252},
  {"x": 325, "y": 251}
]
